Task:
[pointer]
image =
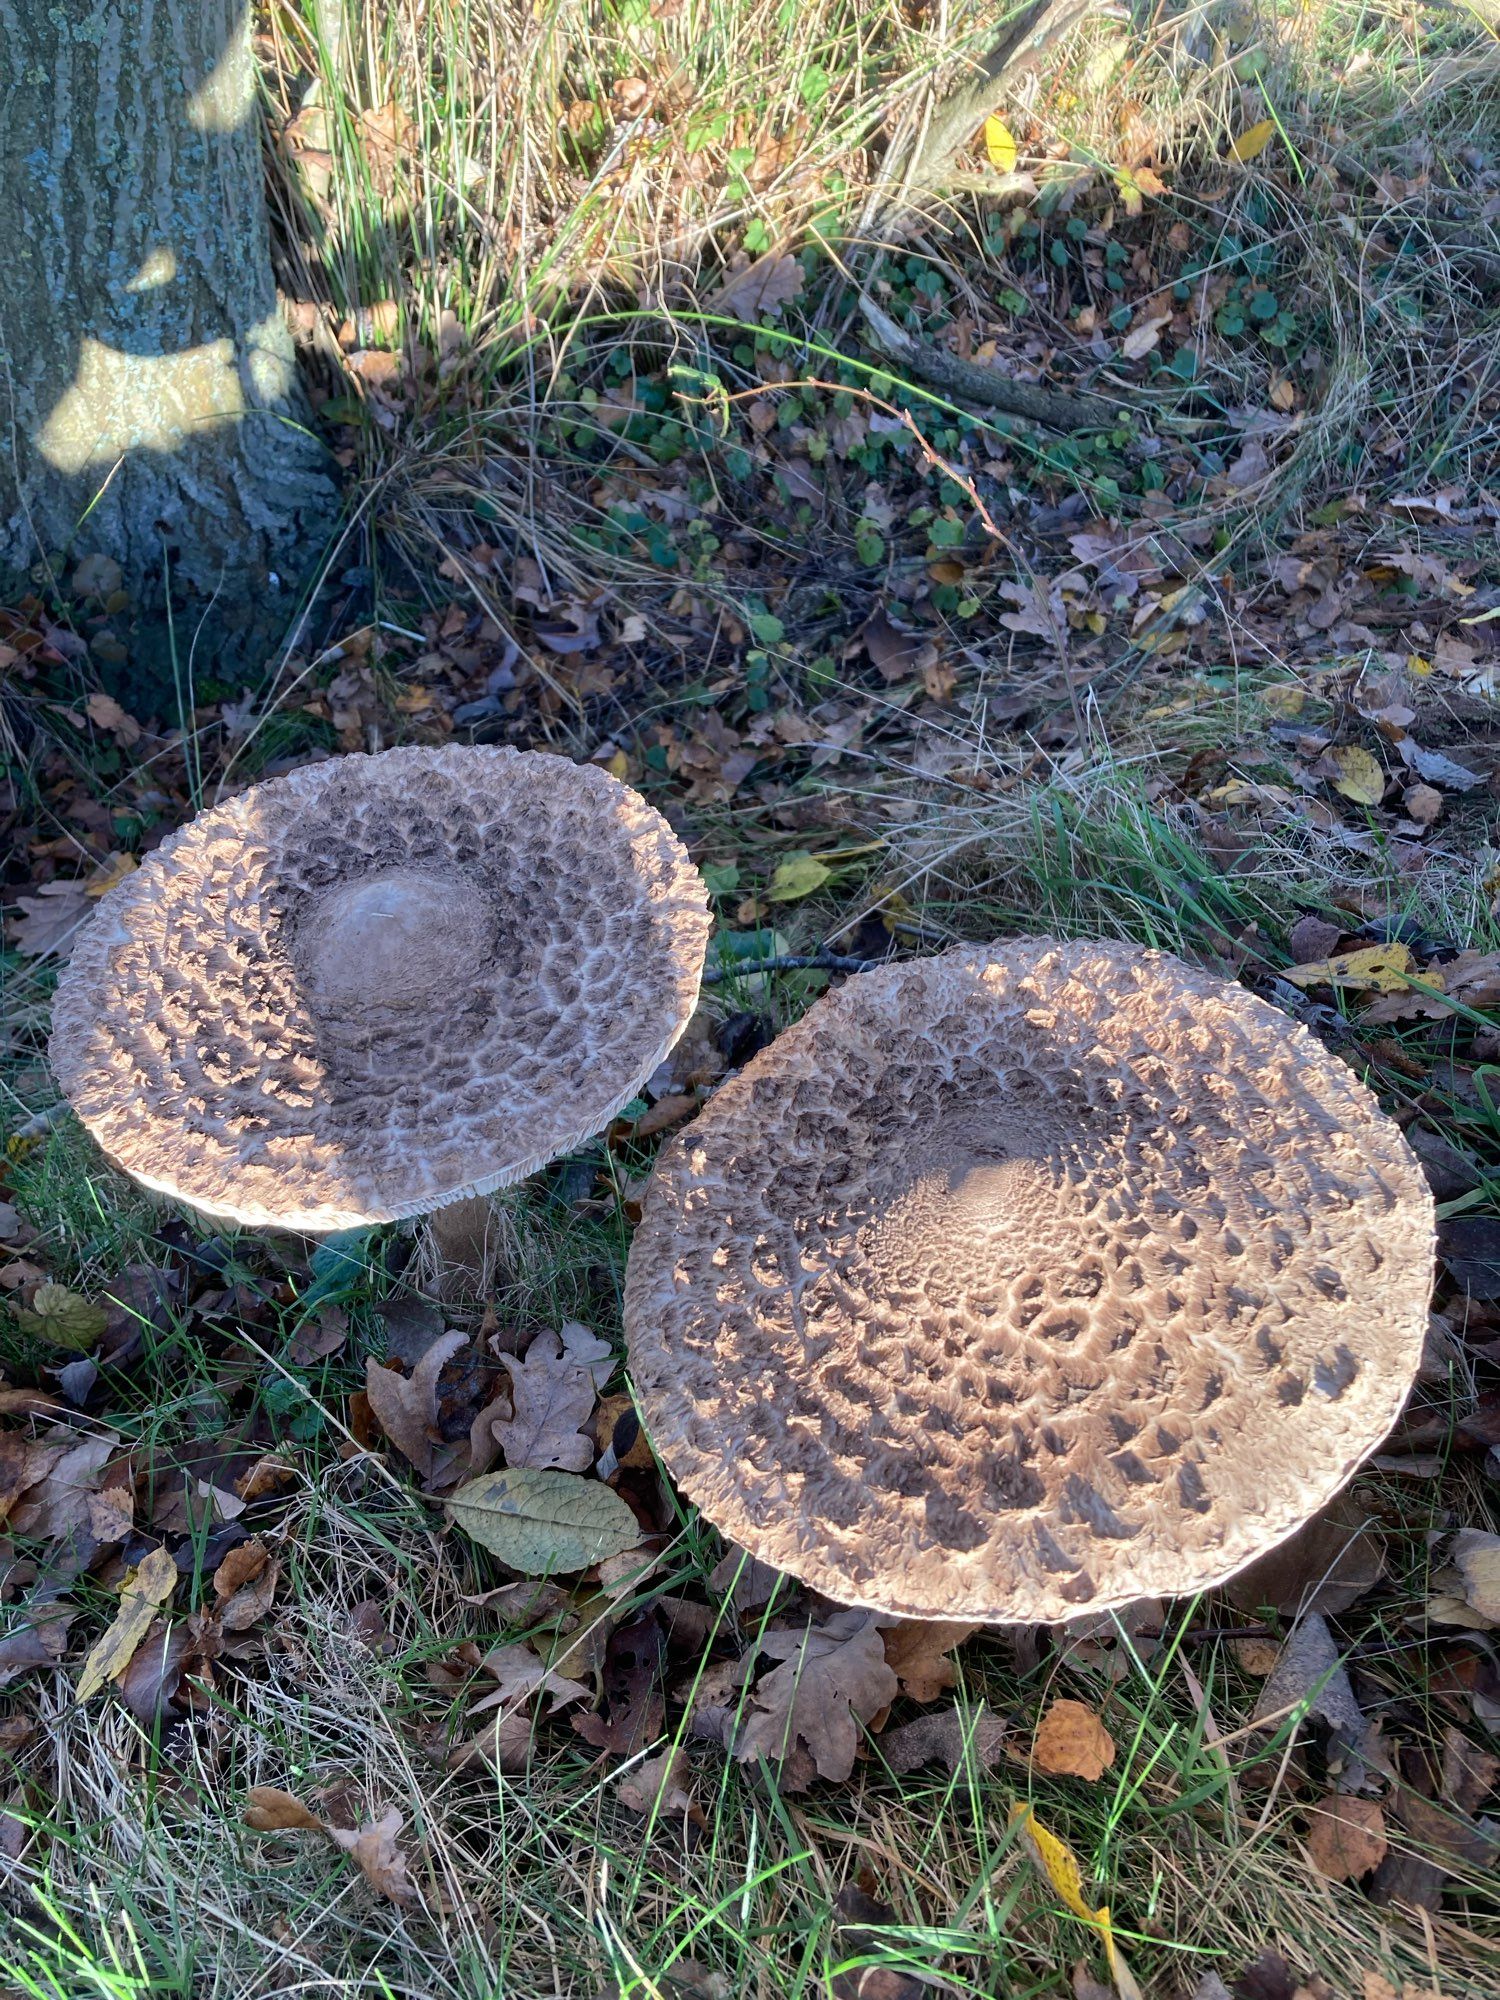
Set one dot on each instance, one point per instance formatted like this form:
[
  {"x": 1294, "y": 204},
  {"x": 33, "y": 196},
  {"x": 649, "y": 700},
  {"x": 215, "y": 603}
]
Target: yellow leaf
[
  {"x": 1000, "y": 145},
  {"x": 1377, "y": 968},
  {"x": 796, "y": 877},
  {"x": 150, "y": 1587},
  {"x": 1253, "y": 142},
  {"x": 107, "y": 875},
  {"x": 1359, "y": 774},
  {"x": 1060, "y": 1866},
  {"x": 1420, "y": 668}
]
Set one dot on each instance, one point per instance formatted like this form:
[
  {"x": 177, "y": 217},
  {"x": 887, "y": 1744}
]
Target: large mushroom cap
[
  {"x": 1027, "y": 1280},
  {"x": 381, "y": 983}
]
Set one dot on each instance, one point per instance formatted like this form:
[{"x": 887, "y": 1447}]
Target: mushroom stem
[{"x": 466, "y": 1240}]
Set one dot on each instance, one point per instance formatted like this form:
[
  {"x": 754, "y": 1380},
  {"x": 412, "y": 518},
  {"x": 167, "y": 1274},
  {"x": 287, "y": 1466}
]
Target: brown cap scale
[
  {"x": 1026, "y": 1280},
  {"x": 381, "y": 983}
]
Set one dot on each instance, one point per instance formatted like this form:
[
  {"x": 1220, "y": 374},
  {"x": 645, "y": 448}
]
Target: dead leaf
[
  {"x": 1326, "y": 1566},
  {"x": 759, "y": 290},
  {"x": 372, "y": 1848},
  {"x": 662, "y": 1785},
  {"x": 834, "y": 1677},
  {"x": 1142, "y": 339},
  {"x": 950, "y": 1737},
  {"x": 1059, "y": 1864},
  {"x": 104, "y": 710},
  {"x": 553, "y": 1389},
  {"x": 1252, "y": 142},
  {"x": 405, "y": 1406},
  {"x": 1375, "y": 968},
  {"x": 1422, "y": 803},
  {"x": 374, "y": 1851},
  {"x": 1072, "y": 1742},
  {"x": 1358, "y": 774},
  {"x": 273, "y": 1811},
  {"x": 1310, "y": 1675},
  {"x": 1346, "y": 1837},
  {"x": 1436, "y": 769},
  {"x": 916, "y": 1651},
  {"x": 1000, "y": 145},
  {"x": 245, "y": 1585},
  {"x": 519, "y": 1672},
  {"x": 895, "y": 653},
  {"x": 1477, "y": 1558},
  {"x": 39, "y": 1638},
  {"x": 58, "y": 1505},
  {"x": 634, "y": 1693},
  {"x": 149, "y": 1588}
]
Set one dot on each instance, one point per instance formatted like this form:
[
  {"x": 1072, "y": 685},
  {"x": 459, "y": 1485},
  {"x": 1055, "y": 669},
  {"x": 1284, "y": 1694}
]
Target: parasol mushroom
[
  {"x": 380, "y": 984},
  {"x": 1028, "y": 1280}
]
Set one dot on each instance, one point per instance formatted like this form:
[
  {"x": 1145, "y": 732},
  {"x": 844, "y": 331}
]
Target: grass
[{"x": 507, "y": 233}]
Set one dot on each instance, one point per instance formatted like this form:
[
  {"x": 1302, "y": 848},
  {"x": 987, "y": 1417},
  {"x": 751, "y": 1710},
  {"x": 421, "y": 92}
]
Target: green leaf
[
  {"x": 63, "y": 1319},
  {"x": 722, "y": 877},
  {"x": 768, "y": 629},
  {"x": 869, "y": 545},
  {"x": 1264, "y": 305},
  {"x": 544, "y": 1523},
  {"x": 813, "y": 87},
  {"x": 799, "y": 875}
]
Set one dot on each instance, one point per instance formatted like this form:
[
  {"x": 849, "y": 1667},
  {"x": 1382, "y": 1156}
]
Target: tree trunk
[{"x": 147, "y": 388}]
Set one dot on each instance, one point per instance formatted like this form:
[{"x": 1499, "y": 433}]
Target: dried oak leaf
[
  {"x": 1346, "y": 1837},
  {"x": 834, "y": 1677},
  {"x": 39, "y": 1638},
  {"x": 405, "y": 1406},
  {"x": 761, "y": 289},
  {"x": 916, "y": 1651},
  {"x": 1476, "y": 1556},
  {"x": 554, "y": 1389},
  {"x": 1072, "y": 1742}
]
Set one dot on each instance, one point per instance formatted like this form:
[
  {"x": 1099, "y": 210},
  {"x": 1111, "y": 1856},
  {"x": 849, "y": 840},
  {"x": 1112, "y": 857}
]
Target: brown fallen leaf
[
  {"x": 519, "y": 1672},
  {"x": 554, "y": 1389},
  {"x": 950, "y": 1737},
  {"x": 104, "y": 710},
  {"x": 374, "y": 1852},
  {"x": 270, "y": 1810},
  {"x": 58, "y": 1506},
  {"x": 372, "y": 1848},
  {"x": 1072, "y": 1742},
  {"x": 1469, "y": 1774},
  {"x": 245, "y": 1586},
  {"x": 405, "y": 1406},
  {"x": 833, "y": 1678},
  {"x": 1476, "y": 1556},
  {"x": 916, "y": 1651},
  {"x": 1346, "y": 1837},
  {"x": 1326, "y": 1566},
  {"x": 761, "y": 289},
  {"x": 38, "y": 1637},
  {"x": 662, "y": 1785},
  {"x": 149, "y": 1588}
]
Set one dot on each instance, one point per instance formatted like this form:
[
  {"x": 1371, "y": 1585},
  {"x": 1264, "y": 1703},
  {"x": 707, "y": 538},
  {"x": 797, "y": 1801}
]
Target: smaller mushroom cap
[
  {"x": 1028, "y": 1280},
  {"x": 379, "y": 984}
]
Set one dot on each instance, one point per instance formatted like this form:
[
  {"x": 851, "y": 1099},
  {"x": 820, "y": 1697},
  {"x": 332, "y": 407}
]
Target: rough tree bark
[{"x": 149, "y": 408}]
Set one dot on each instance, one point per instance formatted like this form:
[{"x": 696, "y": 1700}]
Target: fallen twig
[{"x": 971, "y": 382}]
